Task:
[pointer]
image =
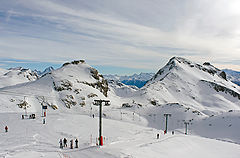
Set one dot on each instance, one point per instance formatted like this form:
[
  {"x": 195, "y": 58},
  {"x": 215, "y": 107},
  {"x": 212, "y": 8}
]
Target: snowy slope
[
  {"x": 223, "y": 127},
  {"x": 32, "y": 139},
  {"x": 191, "y": 93},
  {"x": 202, "y": 87},
  {"x": 15, "y": 76},
  {"x": 74, "y": 84},
  {"x": 120, "y": 89}
]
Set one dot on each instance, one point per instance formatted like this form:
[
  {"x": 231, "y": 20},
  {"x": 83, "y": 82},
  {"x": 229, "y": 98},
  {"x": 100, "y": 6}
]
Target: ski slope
[{"x": 31, "y": 138}]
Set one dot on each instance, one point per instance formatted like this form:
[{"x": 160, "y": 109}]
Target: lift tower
[
  {"x": 166, "y": 115},
  {"x": 99, "y": 103},
  {"x": 186, "y": 124}
]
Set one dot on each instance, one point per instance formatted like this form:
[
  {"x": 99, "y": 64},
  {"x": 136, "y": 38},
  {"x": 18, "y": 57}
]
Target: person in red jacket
[{"x": 6, "y": 128}]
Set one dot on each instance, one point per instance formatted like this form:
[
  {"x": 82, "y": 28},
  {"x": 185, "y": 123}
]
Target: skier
[
  {"x": 172, "y": 132},
  {"x": 158, "y": 136},
  {"x": 61, "y": 143},
  {"x": 6, "y": 128},
  {"x": 76, "y": 143},
  {"x": 71, "y": 144},
  {"x": 65, "y": 142}
]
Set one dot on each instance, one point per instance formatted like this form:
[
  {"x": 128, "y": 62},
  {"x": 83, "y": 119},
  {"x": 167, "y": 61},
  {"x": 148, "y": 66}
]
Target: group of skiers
[
  {"x": 158, "y": 135},
  {"x": 63, "y": 143}
]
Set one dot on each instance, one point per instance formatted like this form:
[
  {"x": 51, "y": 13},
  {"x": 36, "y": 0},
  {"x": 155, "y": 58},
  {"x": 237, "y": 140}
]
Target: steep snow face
[
  {"x": 202, "y": 87},
  {"x": 120, "y": 89},
  {"x": 15, "y": 76},
  {"x": 74, "y": 84}
]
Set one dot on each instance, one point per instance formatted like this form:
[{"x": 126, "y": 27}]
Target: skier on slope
[
  {"x": 6, "y": 128},
  {"x": 65, "y": 142},
  {"x": 71, "y": 144},
  {"x": 76, "y": 143},
  {"x": 61, "y": 143}
]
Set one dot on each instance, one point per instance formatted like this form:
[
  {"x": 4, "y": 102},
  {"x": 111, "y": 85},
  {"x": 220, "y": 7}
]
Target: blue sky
[{"x": 123, "y": 37}]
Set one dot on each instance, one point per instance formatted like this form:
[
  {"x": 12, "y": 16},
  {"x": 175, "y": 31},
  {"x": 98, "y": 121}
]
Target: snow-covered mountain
[
  {"x": 138, "y": 80},
  {"x": 191, "y": 93},
  {"x": 233, "y": 76},
  {"x": 202, "y": 87},
  {"x": 18, "y": 75},
  {"x": 44, "y": 72},
  {"x": 15, "y": 76},
  {"x": 74, "y": 84}
]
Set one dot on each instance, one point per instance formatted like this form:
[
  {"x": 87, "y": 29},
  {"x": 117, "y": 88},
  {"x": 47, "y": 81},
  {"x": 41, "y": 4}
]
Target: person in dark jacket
[
  {"x": 65, "y": 142},
  {"x": 71, "y": 144},
  {"x": 6, "y": 128},
  {"x": 76, "y": 143},
  {"x": 61, "y": 143}
]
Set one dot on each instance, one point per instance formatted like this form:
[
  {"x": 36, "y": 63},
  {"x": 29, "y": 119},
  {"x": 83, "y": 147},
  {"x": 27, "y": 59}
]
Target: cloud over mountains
[{"x": 138, "y": 34}]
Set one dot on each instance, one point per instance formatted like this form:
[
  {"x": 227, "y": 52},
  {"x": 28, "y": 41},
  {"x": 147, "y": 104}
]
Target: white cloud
[{"x": 113, "y": 33}]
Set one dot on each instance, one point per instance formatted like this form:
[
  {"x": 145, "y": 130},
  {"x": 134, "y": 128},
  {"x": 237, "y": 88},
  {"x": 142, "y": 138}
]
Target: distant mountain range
[
  {"x": 233, "y": 76},
  {"x": 138, "y": 80},
  {"x": 16, "y": 75},
  {"x": 46, "y": 71}
]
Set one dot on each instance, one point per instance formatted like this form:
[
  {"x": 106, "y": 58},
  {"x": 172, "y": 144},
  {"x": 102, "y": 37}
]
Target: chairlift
[
  {"x": 95, "y": 103},
  {"x": 107, "y": 103},
  {"x": 44, "y": 107}
]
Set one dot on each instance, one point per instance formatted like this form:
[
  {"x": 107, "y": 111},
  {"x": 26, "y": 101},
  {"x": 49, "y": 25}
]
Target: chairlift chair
[{"x": 107, "y": 103}]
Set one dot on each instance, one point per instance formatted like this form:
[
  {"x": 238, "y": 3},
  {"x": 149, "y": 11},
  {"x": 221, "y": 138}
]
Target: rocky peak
[
  {"x": 177, "y": 63},
  {"x": 75, "y": 62},
  {"x": 79, "y": 72}
]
